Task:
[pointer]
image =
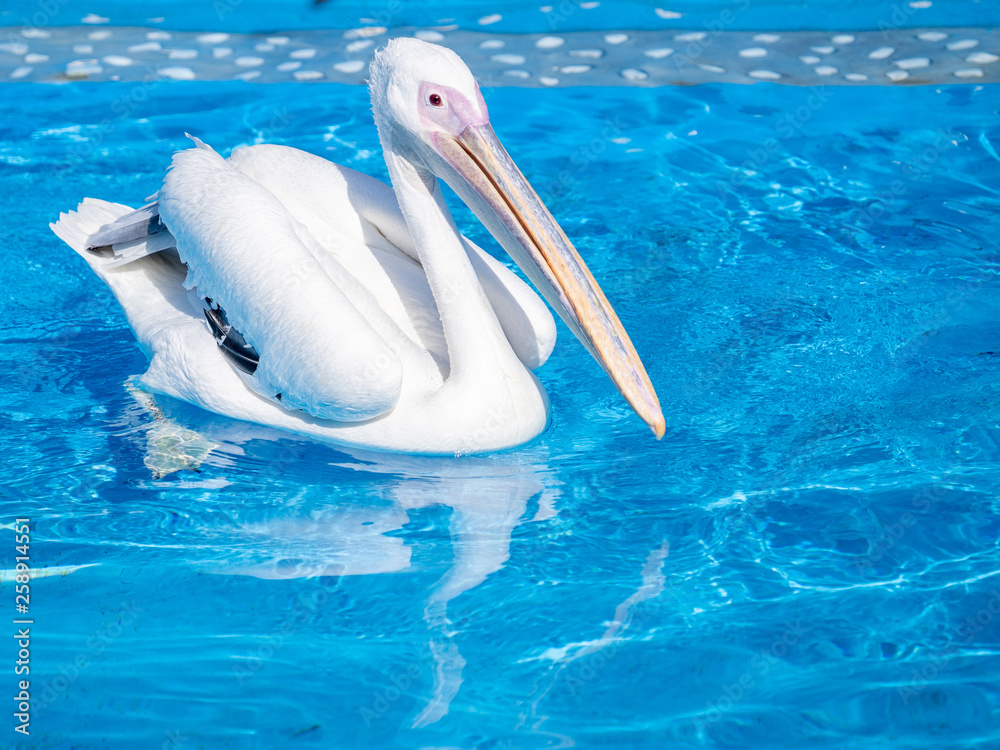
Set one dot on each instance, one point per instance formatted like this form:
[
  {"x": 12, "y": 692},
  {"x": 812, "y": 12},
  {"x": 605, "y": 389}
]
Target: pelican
[{"x": 279, "y": 288}]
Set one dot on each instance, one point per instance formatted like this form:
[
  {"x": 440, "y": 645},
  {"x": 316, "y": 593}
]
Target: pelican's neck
[{"x": 474, "y": 337}]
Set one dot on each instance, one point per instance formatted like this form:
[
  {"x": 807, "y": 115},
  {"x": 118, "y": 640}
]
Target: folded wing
[{"x": 248, "y": 255}]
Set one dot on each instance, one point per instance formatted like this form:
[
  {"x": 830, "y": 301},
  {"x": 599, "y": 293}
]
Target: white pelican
[{"x": 279, "y": 288}]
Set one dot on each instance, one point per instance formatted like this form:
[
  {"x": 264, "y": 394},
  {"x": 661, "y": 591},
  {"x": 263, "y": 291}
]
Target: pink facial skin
[{"x": 455, "y": 112}]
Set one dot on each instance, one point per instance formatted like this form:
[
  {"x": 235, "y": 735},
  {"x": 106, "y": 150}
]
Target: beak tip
[{"x": 658, "y": 426}]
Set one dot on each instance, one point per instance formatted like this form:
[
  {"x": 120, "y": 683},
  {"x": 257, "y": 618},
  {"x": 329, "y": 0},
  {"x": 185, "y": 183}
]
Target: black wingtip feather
[{"x": 243, "y": 356}]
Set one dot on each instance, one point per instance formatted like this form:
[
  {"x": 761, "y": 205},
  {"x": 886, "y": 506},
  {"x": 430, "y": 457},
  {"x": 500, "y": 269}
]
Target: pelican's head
[
  {"x": 429, "y": 111},
  {"x": 423, "y": 89}
]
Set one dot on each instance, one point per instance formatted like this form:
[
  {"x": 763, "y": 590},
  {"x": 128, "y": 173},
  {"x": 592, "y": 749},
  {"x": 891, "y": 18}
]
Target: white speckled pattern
[{"x": 632, "y": 58}]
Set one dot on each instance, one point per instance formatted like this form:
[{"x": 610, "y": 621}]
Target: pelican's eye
[{"x": 435, "y": 100}]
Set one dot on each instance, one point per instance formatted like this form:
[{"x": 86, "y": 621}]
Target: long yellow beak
[{"x": 501, "y": 197}]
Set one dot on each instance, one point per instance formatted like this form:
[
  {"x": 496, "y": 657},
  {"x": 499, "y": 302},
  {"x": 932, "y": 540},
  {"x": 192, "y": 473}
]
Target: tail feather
[
  {"x": 140, "y": 248},
  {"x": 96, "y": 225},
  {"x": 143, "y": 222},
  {"x": 76, "y": 227},
  {"x": 150, "y": 289}
]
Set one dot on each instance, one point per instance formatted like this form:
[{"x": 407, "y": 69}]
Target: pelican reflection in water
[{"x": 359, "y": 535}]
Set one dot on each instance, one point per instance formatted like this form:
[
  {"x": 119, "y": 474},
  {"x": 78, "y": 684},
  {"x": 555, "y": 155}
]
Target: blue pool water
[{"x": 809, "y": 558}]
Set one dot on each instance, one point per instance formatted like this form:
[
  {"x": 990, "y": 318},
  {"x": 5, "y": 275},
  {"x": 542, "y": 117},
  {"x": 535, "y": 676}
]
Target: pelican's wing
[
  {"x": 314, "y": 189},
  {"x": 314, "y": 327},
  {"x": 170, "y": 327}
]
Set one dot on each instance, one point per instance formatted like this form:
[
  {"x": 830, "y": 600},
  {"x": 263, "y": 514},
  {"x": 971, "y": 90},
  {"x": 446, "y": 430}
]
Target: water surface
[{"x": 808, "y": 558}]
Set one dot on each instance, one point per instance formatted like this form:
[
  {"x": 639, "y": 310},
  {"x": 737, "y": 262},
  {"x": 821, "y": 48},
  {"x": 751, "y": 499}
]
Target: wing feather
[{"x": 246, "y": 252}]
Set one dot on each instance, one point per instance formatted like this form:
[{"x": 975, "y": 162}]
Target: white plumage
[{"x": 371, "y": 320}]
